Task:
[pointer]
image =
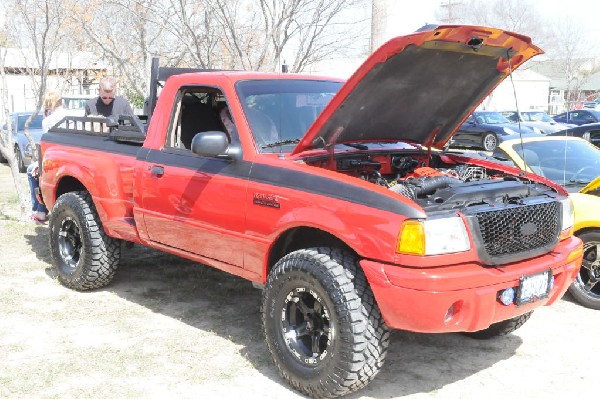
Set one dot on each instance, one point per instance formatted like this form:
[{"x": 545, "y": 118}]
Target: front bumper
[{"x": 419, "y": 299}]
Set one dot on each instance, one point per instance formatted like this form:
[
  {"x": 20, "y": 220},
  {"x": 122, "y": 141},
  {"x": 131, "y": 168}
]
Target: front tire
[
  {"x": 322, "y": 325},
  {"x": 489, "y": 141},
  {"x": 586, "y": 287},
  {"x": 83, "y": 256},
  {"x": 501, "y": 328}
]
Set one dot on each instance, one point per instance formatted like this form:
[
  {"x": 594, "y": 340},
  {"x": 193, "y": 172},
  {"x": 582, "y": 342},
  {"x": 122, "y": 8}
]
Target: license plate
[{"x": 534, "y": 287}]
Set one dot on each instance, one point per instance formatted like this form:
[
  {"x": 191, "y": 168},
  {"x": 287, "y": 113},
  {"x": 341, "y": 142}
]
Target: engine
[{"x": 444, "y": 187}]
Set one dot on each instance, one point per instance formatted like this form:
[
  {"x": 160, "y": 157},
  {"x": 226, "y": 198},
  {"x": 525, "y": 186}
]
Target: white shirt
[{"x": 52, "y": 119}]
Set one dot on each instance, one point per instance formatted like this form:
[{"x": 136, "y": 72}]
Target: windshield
[
  {"x": 492, "y": 118},
  {"x": 566, "y": 162},
  {"x": 281, "y": 111},
  {"x": 35, "y": 124},
  {"x": 537, "y": 117}
]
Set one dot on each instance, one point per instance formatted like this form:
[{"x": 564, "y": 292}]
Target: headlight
[
  {"x": 508, "y": 130},
  {"x": 568, "y": 217},
  {"x": 433, "y": 236}
]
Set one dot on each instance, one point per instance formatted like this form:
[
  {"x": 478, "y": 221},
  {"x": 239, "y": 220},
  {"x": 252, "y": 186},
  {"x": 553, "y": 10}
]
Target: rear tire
[
  {"x": 586, "y": 287},
  {"x": 489, "y": 141},
  {"x": 501, "y": 328},
  {"x": 83, "y": 256},
  {"x": 322, "y": 325}
]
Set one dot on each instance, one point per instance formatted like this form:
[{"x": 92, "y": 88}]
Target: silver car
[
  {"x": 22, "y": 148},
  {"x": 537, "y": 119}
]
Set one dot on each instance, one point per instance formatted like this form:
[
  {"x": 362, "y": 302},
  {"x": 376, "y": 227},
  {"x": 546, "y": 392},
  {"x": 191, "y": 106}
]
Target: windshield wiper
[
  {"x": 279, "y": 143},
  {"x": 357, "y": 146},
  {"x": 576, "y": 183}
]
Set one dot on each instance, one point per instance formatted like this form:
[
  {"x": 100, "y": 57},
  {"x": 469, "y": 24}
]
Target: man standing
[{"x": 108, "y": 103}]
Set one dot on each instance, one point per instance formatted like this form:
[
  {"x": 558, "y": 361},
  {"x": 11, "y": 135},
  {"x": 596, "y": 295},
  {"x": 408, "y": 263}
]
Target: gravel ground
[{"x": 168, "y": 328}]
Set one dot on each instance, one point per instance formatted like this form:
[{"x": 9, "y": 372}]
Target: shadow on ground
[{"x": 210, "y": 300}]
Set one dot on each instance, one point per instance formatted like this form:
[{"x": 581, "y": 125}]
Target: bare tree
[
  {"x": 38, "y": 31},
  {"x": 123, "y": 33},
  {"x": 310, "y": 30},
  {"x": 570, "y": 47},
  {"x": 36, "y": 28},
  {"x": 250, "y": 35},
  {"x": 514, "y": 15},
  {"x": 7, "y": 144}
]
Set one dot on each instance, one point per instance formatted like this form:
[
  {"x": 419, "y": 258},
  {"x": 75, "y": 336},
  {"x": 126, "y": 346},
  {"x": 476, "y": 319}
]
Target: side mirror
[
  {"x": 590, "y": 120},
  {"x": 210, "y": 144}
]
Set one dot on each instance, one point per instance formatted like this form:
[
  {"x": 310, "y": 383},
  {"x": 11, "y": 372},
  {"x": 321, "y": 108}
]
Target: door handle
[{"x": 157, "y": 171}]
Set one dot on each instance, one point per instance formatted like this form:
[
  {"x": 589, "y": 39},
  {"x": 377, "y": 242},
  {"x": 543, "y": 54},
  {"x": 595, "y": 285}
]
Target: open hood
[{"x": 419, "y": 88}]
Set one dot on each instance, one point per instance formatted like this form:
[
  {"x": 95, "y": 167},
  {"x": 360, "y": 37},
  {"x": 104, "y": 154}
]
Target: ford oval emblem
[{"x": 529, "y": 229}]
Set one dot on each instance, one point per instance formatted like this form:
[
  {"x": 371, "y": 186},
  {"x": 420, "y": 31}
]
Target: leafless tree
[
  {"x": 123, "y": 33},
  {"x": 36, "y": 28},
  {"x": 310, "y": 30},
  {"x": 570, "y": 47},
  {"x": 7, "y": 143},
  {"x": 514, "y": 15},
  {"x": 221, "y": 34}
]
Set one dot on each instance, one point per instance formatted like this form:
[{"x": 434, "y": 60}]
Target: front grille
[{"x": 519, "y": 230}]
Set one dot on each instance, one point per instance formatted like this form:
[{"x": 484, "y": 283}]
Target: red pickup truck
[{"x": 335, "y": 197}]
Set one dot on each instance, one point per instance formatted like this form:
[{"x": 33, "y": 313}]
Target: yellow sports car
[{"x": 575, "y": 164}]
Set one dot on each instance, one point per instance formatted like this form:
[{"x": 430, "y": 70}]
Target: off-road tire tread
[
  {"x": 366, "y": 339},
  {"x": 102, "y": 253},
  {"x": 501, "y": 328}
]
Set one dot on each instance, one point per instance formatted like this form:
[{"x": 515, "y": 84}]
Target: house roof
[
  {"x": 23, "y": 58},
  {"x": 554, "y": 70}
]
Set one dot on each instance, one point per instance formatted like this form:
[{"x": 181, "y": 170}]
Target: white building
[
  {"x": 526, "y": 89},
  {"x": 69, "y": 73}
]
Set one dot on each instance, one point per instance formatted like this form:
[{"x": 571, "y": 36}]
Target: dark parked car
[
  {"x": 579, "y": 117},
  {"x": 589, "y": 132},
  {"x": 592, "y": 104},
  {"x": 484, "y": 129},
  {"x": 22, "y": 148}
]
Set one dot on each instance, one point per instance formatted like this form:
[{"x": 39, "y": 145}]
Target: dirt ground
[{"x": 168, "y": 328}]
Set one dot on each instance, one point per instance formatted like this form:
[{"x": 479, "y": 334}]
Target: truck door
[{"x": 189, "y": 202}]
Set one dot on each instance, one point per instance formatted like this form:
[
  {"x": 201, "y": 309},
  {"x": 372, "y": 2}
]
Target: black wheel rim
[
  {"x": 589, "y": 274},
  {"x": 69, "y": 243},
  {"x": 306, "y": 326}
]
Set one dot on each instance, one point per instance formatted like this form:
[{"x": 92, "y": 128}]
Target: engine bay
[{"x": 437, "y": 181}]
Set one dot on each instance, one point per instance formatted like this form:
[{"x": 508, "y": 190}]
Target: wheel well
[
  {"x": 68, "y": 184},
  {"x": 303, "y": 237}
]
